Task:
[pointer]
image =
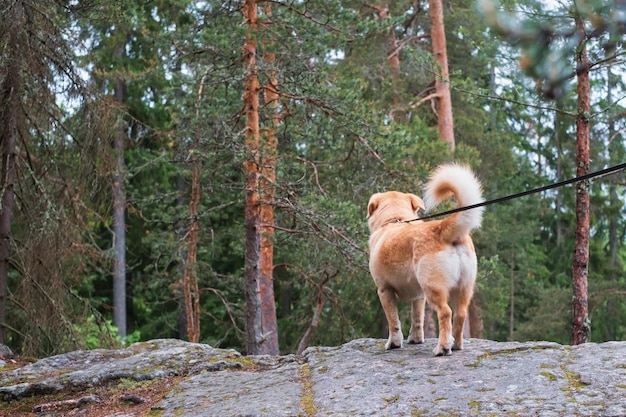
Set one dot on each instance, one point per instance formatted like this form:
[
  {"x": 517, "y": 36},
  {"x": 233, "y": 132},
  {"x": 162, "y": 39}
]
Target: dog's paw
[
  {"x": 415, "y": 341},
  {"x": 442, "y": 351},
  {"x": 392, "y": 345},
  {"x": 416, "y": 335}
]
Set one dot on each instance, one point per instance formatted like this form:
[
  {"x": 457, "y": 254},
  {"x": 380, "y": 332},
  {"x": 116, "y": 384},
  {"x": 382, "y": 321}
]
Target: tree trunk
[
  {"x": 442, "y": 79},
  {"x": 430, "y": 327},
  {"x": 476, "y": 321},
  {"x": 512, "y": 295},
  {"x": 179, "y": 290},
  {"x": 560, "y": 136},
  {"x": 181, "y": 201},
  {"x": 191, "y": 290},
  {"x": 267, "y": 191},
  {"x": 613, "y": 256},
  {"x": 11, "y": 91},
  {"x": 304, "y": 342},
  {"x": 261, "y": 325},
  {"x": 581, "y": 325},
  {"x": 119, "y": 221},
  {"x": 190, "y": 281},
  {"x": 614, "y": 203}
]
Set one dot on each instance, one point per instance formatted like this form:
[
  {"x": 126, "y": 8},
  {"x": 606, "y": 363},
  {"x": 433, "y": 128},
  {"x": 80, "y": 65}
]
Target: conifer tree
[{"x": 261, "y": 324}]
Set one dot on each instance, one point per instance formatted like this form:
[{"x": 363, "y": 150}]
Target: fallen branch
[{"x": 72, "y": 403}]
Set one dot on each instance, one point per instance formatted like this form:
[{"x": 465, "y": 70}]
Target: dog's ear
[
  {"x": 416, "y": 203},
  {"x": 372, "y": 205}
]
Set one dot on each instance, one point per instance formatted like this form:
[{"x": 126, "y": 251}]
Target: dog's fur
[{"x": 433, "y": 260}]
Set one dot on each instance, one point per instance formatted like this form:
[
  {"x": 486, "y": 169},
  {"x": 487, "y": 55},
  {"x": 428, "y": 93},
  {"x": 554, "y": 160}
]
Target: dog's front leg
[
  {"x": 416, "y": 334},
  {"x": 387, "y": 298}
]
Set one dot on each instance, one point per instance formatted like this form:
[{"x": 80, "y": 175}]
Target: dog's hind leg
[
  {"x": 416, "y": 334},
  {"x": 387, "y": 298},
  {"x": 460, "y": 309},
  {"x": 438, "y": 298}
]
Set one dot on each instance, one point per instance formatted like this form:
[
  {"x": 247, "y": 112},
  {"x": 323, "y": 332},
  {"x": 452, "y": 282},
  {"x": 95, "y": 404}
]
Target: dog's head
[{"x": 392, "y": 206}]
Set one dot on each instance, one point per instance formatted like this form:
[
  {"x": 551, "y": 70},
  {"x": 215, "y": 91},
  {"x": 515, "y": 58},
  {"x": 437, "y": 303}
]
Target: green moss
[
  {"x": 307, "y": 401},
  {"x": 574, "y": 380},
  {"x": 26, "y": 405},
  {"x": 127, "y": 384},
  {"x": 244, "y": 363},
  {"x": 247, "y": 363},
  {"x": 548, "y": 375},
  {"x": 391, "y": 399},
  {"x": 487, "y": 355}
]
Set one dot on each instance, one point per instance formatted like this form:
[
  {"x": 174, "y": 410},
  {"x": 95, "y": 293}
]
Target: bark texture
[
  {"x": 261, "y": 325},
  {"x": 11, "y": 91},
  {"x": 191, "y": 291},
  {"x": 119, "y": 216},
  {"x": 581, "y": 326},
  {"x": 442, "y": 77}
]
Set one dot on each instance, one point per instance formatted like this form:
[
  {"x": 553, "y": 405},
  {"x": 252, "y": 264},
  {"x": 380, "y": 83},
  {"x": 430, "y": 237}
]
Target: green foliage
[
  {"x": 98, "y": 335},
  {"x": 351, "y": 126},
  {"x": 549, "y": 40}
]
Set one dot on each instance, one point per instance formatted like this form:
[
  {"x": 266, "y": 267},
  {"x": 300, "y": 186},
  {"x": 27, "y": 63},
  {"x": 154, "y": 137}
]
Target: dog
[{"x": 426, "y": 260}]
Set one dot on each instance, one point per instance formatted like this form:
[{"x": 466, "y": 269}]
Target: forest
[{"x": 201, "y": 169}]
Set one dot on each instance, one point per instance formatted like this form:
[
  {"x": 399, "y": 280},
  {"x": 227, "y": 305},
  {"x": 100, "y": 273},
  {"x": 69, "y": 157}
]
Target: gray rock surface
[{"x": 358, "y": 378}]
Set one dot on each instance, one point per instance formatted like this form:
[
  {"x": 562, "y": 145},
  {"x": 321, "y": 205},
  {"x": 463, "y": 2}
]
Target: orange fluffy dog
[{"x": 418, "y": 261}]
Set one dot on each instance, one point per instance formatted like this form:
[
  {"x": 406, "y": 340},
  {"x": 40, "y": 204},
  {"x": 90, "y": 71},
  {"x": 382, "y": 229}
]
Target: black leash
[{"x": 525, "y": 193}]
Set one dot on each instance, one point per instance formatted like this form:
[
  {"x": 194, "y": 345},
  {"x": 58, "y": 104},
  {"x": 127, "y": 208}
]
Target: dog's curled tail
[{"x": 458, "y": 181}]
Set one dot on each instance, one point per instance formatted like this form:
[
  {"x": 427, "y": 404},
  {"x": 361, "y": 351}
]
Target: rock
[
  {"x": 487, "y": 378},
  {"x": 358, "y": 378},
  {"x": 141, "y": 361},
  {"x": 273, "y": 390},
  {"x": 5, "y": 352}
]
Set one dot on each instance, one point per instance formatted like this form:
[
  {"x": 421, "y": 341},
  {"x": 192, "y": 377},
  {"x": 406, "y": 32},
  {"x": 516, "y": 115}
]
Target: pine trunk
[
  {"x": 560, "y": 137},
  {"x": 442, "y": 78},
  {"x": 119, "y": 225},
  {"x": 261, "y": 325},
  {"x": 267, "y": 191},
  {"x": 10, "y": 104},
  {"x": 512, "y": 295},
  {"x": 614, "y": 203},
  {"x": 182, "y": 201},
  {"x": 476, "y": 321},
  {"x": 191, "y": 290},
  {"x": 430, "y": 328},
  {"x": 181, "y": 188},
  {"x": 581, "y": 327}
]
